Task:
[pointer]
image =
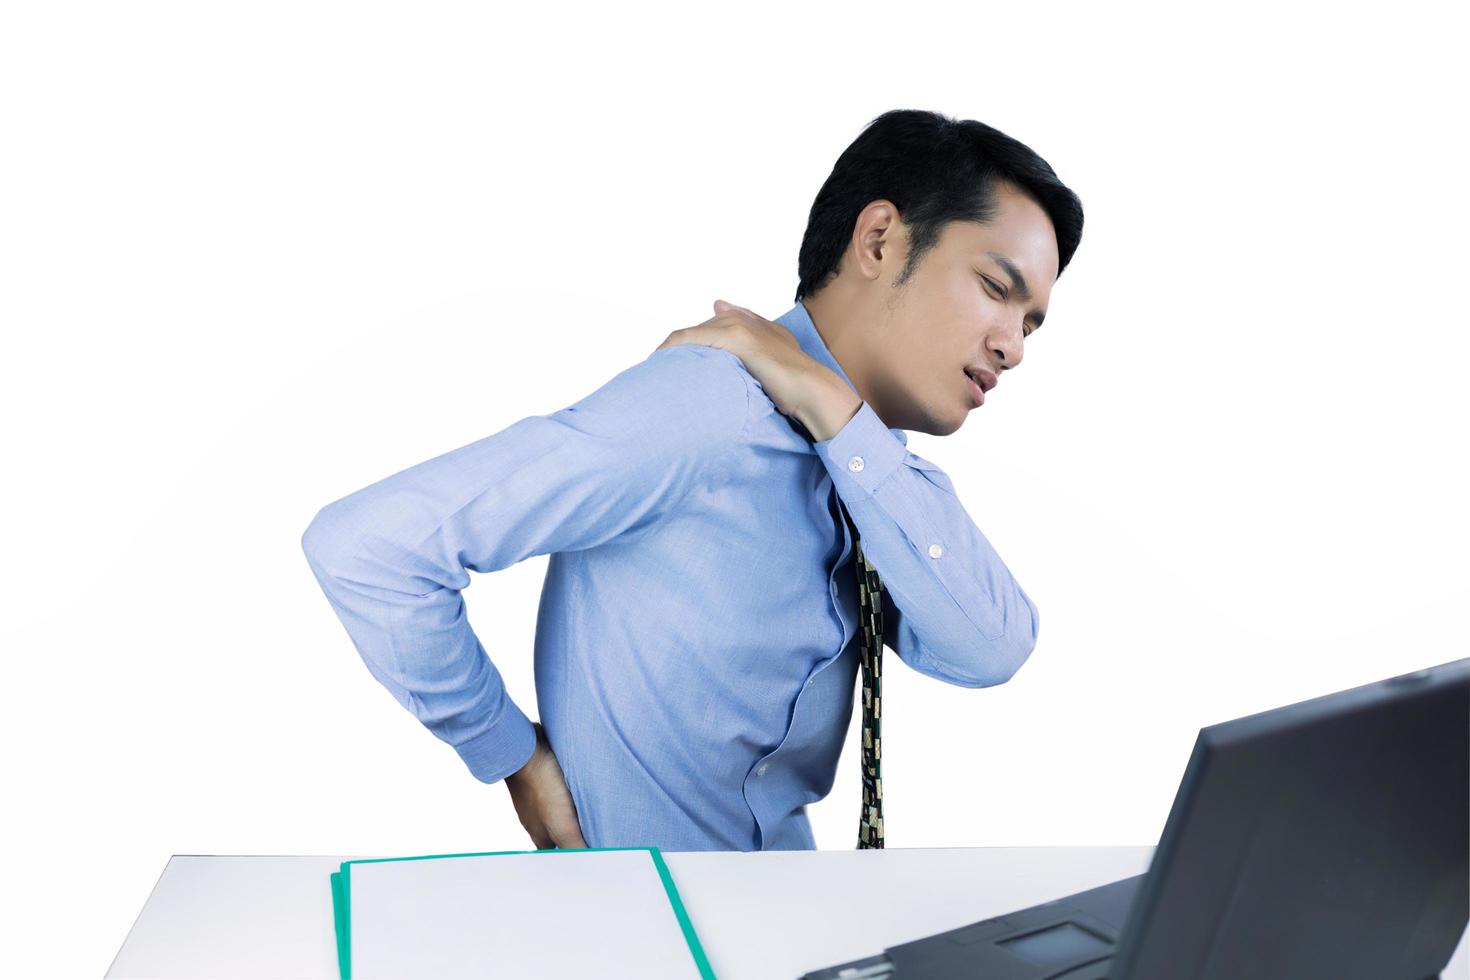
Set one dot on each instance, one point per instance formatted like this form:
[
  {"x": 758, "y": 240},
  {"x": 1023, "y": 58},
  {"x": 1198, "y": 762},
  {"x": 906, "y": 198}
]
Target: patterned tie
[{"x": 870, "y": 608}]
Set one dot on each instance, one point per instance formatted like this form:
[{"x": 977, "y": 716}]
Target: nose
[{"x": 1006, "y": 345}]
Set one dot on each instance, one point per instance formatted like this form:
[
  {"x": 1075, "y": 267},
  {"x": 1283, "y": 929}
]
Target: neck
[{"x": 843, "y": 327}]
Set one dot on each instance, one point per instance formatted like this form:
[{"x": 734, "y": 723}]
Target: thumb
[{"x": 721, "y": 306}]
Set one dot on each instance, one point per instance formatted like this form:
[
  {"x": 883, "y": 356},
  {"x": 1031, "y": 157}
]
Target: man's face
[{"x": 968, "y": 305}]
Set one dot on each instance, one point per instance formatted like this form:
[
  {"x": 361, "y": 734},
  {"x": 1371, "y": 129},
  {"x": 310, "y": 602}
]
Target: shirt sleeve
[
  {"x": 952, "y": 610},
  {"x": 394, "y": 557}
]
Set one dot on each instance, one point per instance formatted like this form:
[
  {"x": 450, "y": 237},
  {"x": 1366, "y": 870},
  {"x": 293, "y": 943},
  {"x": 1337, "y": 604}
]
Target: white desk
[{"x": 759, "y": 915}]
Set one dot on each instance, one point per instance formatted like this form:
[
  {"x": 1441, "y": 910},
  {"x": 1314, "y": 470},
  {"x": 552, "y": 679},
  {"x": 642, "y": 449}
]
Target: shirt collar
[{"x": 799, "y": 321}]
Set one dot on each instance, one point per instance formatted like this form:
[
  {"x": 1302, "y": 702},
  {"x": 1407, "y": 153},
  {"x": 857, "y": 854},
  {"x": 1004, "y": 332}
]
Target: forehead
[{"x": 1020, "y": 230}]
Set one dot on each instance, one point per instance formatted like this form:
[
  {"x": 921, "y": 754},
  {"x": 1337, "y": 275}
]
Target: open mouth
[{"x": 977, "y": 393}]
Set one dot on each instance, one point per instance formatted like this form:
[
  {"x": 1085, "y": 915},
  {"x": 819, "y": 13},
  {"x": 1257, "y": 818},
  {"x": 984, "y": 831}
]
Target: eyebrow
[{"x": 1018, "y": 282}]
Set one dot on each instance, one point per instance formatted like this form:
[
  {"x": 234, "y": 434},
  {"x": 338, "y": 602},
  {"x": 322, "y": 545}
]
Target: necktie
[{"x": 870, "y": 609}]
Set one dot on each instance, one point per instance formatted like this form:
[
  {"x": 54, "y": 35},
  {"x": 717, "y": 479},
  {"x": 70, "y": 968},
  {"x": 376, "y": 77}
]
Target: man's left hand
[{"x": 797, "y": 385}]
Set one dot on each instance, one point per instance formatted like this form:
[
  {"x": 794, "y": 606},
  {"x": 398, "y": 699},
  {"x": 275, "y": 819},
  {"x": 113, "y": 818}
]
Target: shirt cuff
[
  {"x": 504, "y": 749},
  {"x": 863, "y": 454}
]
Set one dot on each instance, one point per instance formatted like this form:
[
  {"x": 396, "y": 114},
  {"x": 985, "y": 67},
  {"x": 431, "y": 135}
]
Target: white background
[{"x": 256, "y": 256}]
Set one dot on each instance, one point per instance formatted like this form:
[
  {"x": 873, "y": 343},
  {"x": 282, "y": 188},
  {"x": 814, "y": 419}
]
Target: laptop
[{"x": 1324, "y": 839}]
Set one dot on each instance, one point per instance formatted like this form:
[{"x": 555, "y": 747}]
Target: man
[{"x": 698, "y": 637}]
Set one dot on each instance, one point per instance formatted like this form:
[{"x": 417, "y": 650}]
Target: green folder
[{"x": 342, "y": 900}]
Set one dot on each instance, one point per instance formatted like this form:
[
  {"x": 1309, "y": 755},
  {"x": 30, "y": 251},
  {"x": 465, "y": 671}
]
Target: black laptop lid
[{"x": 1329, "y": 838}]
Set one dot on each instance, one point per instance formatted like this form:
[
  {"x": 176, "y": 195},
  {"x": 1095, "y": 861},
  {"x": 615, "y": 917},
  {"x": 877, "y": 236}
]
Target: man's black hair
[{"x": 935, "y": 170}]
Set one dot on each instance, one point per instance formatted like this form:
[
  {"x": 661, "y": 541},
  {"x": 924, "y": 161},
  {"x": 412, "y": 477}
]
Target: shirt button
[
  {"x": 763, "y": 767},
  {"x": 855, "y": 464},
  {"x": 935, "y": 551}
]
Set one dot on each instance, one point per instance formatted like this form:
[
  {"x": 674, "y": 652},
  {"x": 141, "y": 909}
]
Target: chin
[
  {"x": 938, "y": 426},
  {"x": 928, "y": 418}
]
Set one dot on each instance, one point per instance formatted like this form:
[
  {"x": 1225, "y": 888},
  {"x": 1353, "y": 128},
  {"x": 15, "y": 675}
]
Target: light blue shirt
[{"x": 697, "y": 642}]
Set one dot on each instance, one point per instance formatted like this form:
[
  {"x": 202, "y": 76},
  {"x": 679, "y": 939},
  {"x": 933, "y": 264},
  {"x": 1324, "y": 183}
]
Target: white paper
[{"x": 545, "y": 914}]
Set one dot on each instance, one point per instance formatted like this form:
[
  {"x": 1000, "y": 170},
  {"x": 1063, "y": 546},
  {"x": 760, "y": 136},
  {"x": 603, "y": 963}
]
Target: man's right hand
[{"x": 542, "y": 801}]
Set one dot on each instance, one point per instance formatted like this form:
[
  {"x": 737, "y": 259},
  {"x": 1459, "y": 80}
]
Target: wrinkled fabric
[{"x": 697, "y": 638}]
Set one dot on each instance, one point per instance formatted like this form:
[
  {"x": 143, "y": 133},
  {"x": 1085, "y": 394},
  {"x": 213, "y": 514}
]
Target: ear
[{"x": 874, "y": 229}]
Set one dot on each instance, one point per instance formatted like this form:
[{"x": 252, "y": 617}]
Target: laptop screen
[{"x": 1324, "y": 838}]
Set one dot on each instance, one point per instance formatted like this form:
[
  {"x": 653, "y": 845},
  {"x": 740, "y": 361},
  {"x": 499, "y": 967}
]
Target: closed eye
[{"x": 1003, "y": 293}]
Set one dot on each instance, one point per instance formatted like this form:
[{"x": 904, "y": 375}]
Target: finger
[
  {"x": 710, "y": 332},
  {"x": 722, "y": 306},
  {"x": 539, "y": 837},
  {"x": 567, "y": 831},
  {"x": 674, "y": 339}
]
